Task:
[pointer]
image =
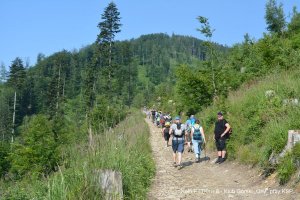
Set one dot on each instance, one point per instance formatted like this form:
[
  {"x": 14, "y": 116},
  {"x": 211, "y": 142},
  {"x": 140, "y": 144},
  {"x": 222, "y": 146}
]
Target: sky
[{"x": 30, "y": 27}]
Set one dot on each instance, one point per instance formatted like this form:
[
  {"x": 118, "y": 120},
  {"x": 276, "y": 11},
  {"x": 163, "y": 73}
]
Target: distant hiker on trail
[
  {"x": 153, "y": 112},
  {"x": 198, "y": 139},
  {"x": 189, "y": 124},
  {"x": 166, "y": 132},
  {"x": 178, "y": 132},
  {"x": 221, "y": 129},
  {"x": 162, "y": 121},
  {"x": 168, "y": 118}
]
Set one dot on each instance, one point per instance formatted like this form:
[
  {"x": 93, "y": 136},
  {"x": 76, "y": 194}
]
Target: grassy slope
[
  {"x": 125, "y": 148},
  {"x": 260, "y": 123}
]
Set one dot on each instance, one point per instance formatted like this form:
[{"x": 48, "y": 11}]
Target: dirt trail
[{"x": 206, "y": 180}]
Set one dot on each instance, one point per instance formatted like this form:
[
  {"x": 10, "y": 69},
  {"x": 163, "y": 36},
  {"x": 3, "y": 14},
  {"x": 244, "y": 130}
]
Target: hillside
[{"x": 261, "y": 122}]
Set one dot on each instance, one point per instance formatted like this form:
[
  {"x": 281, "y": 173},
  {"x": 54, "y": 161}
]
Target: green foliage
[
  {"x": 4, "y": 162},
  {"x": 193, "y": 91},
  {"x": 37, "y": 152},
  {"x": 125, "y": 148},
  {"x": 26, "y": 190},
  {"x": 261, "y": 122},
  {"x": 17, "y": 74},
  {"x": 286, "y": 169},
  {"x": 294, "y": 25},
  {"x": 275, "y": 18},
  {"x": 106, "y": 114},
  {"x": 6, "y": 96}
]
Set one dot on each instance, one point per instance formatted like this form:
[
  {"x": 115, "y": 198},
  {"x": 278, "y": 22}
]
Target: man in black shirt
[{"x": 221, "y": 132}]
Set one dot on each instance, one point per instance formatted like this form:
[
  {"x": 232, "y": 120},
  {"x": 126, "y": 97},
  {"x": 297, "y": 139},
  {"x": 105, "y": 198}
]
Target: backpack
[
  {"x": 228, "y": 134},
  {"x": 166, "y": 132},
  {"x": 197, "y": 133},
  {"x": 189, "y": 124},
  {"x": 178, "y": 132}
]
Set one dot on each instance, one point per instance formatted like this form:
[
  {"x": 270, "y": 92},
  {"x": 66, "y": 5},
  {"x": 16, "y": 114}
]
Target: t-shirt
[
  {"x": 220, "y": 128},
  {"x": 174, "y": 127}
]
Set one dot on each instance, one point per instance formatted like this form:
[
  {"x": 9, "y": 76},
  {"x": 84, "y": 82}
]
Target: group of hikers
[{"x": 190, "y": 133}]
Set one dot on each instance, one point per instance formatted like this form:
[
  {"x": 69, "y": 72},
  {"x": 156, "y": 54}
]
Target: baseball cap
[
  {"x": 177, "y": 118},
  {"x": 220, "y": 113}
]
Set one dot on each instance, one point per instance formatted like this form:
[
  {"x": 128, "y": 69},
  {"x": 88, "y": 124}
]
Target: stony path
[{"x": 206, "y": 180}]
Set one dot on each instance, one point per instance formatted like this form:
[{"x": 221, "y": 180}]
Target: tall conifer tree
[{"x": 105, "y": 40}]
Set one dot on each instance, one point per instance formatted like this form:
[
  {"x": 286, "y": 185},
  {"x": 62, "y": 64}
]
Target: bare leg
[
  {"x": 223, "y": 154},
  {"x": 174, "y": 157},
  {"x": 179, "y": 158}
]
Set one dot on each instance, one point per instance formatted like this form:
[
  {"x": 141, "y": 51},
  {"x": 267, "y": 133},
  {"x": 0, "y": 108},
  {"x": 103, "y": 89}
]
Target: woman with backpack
[
  {"x": 177, "y": 131},
  {"x": 198, "y": 139},
  {"x": 165, "y": 132}
]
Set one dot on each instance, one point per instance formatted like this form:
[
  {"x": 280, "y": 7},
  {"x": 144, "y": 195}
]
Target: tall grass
[
  {"x": 260, "y": 123},
  {"x": 125, "y": 148}
]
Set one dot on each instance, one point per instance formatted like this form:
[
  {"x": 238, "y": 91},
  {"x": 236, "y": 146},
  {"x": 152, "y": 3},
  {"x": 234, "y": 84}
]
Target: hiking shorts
[
  {"x": 178, "y": 145},
  {"x": 166, "y": 136},
  {"x": 221, "y": 144}
]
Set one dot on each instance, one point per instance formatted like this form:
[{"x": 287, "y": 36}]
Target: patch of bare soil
[{"x": 207, "y": 180}]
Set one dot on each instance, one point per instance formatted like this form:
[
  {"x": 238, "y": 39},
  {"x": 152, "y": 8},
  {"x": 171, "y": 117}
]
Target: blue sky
[{"x": 29, "y": 27}]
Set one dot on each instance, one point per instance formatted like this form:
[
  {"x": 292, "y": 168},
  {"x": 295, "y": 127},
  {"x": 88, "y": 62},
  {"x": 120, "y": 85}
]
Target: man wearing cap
[
  {"x": 221, "y": 129},
  {"x": 178, "y": 131}
]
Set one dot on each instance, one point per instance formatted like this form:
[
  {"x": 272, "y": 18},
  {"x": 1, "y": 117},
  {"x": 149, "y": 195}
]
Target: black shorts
[
  {"x": 166, "y": 136},
  {"x": 221, "y": 144}
]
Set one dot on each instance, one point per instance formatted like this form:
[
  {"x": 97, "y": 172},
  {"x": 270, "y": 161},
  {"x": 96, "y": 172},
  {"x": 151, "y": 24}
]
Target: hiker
[
  {"x": 177, "y": 130},
  {"x": 162, "y": 120},
  {"x": 153, "y": 112},
  {"x": 166, "y": 132},
  {"x": 222, "y": 128},
  {"x": 168, "y": 118},
  {"x": 198, "y": 139},
  {"x": 189, "y": 124}
]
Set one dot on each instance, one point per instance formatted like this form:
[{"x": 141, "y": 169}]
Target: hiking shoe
[
  {"x": 222, "y": 160},
  {"x": 218, "y": 160},
  {"x": 180, "y": 166},
  {"x": 197, "y": 160},
  {"x": 174, "y": 164}
]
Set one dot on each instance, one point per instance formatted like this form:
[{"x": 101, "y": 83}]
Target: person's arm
[
  {"x": 202, "y": 133},
  {"x": 226, "y": 130},
  {"x": 170, "y": 131}
]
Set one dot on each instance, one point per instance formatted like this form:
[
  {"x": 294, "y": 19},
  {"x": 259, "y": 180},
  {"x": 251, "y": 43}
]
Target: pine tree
[
  {"x": 105, "y": 40},
  {"x": 17, "y": 75}
]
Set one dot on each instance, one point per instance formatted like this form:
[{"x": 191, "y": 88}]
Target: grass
[
  {"x": 260, "y": 123},
  {"x": 125, "y": 148}
]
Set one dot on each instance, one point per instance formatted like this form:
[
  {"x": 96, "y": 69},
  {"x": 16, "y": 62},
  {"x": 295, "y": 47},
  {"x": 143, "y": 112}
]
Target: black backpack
[{"x": 228, "y": 134}]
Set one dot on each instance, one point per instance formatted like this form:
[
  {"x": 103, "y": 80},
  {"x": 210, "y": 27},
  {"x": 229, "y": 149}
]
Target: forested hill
[
  {"x": 63, "y": 76},
  {"x": 67, "y": 87}
]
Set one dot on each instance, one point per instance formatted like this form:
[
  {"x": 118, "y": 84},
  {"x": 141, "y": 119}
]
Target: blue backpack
[{"x": 197, "y": 133}]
